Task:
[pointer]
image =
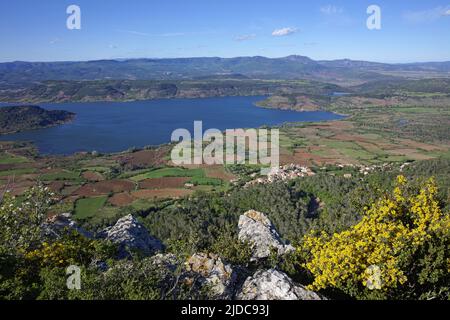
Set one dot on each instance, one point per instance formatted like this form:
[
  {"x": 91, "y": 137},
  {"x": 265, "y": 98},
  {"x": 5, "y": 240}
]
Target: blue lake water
[{"x": 117, "y": 126}]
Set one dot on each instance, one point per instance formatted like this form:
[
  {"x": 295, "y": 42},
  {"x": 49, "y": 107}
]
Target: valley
[
  {"x": 382, "y": 129},
  {"x": 371, "y": 135},
  {"x": 212, "y": 158}
]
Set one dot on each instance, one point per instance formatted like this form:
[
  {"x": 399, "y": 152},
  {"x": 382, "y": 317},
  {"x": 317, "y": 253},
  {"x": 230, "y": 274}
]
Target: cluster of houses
[
  {"x": 292, "y": 171},
  {"x": 283, "y": 173}
]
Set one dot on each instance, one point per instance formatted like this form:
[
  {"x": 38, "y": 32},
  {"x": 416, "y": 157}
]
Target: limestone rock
[
  {"x": 220, "y": 277},
  {"x": 57, "y": 225},
  {"x": 256, "y": 228},
  {"x": 130, "y": 234},
  {"x": 274, "y": 285}
]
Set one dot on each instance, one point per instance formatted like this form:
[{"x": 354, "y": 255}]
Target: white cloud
[
  {"x": 55, "y": 41},
  {"x": 284, "y": 32},
  {"x": 331, "y": 10},
  {"x": 245, "y": 37},
  {"x": 428, "y": 15},
  {"x": 172, "y": 34},
  {"x": 137, "y": 33}
]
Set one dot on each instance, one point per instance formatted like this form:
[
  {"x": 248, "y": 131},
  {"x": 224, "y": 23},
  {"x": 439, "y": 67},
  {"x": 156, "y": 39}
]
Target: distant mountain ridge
[{"x": 257, "y": 67}]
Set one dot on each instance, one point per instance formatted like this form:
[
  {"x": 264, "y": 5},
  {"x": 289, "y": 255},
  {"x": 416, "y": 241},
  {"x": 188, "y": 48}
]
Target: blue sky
[{"x": 412, "y": 30}]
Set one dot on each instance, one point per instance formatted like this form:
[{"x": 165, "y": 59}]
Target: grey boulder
[
  {"x": 131, "y": 235},
  {"x": 259, "y": 231},
  {"x": 274, "y": 285},
  {"x": 211, "y": 271}
]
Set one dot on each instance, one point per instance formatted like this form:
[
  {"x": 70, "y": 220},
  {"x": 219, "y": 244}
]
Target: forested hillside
[{"x": 19, "y": 118}]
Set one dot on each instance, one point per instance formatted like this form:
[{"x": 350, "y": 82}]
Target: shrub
[
  {"x": 20, "y": 223},
  {"x": 388, "y": 253},
  {"x": 232, "y": 250}
]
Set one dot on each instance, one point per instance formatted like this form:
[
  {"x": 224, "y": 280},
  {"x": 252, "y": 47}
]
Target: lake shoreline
[{"x": 111, "y": 127}]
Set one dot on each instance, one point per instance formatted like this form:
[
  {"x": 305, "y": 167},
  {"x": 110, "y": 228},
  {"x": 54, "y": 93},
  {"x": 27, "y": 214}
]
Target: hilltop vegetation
[
  {"x": 126, "y": 90},
  {"x": 415, "y": 88},
  {"x": 410, "y": 246},
  {"x": 20, "y": 118}
]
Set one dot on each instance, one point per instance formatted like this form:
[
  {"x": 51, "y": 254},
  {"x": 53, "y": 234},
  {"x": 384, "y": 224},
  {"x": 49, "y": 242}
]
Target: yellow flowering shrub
[
  {"x": 371, "y": 253},
  {"x": 71, "y": 249}
]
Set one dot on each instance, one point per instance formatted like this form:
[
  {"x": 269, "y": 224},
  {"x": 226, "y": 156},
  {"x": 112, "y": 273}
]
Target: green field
[
  {"x": 88, "y": 207},
  {"x": 6, "y": 158},
  {"x": 99, "y": 169},
  {"x": 64, "y": 175},
  {"x": 16, "y": 172},
  {"x": 169, "y": 172},
  {"x": 204, "y": 181}
]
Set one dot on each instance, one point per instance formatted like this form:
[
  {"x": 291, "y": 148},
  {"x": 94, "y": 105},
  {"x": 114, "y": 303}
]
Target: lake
[{"x": 117, "y": 126}]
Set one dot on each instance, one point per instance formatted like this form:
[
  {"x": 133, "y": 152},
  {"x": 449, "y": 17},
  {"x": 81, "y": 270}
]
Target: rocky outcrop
[
  {"x": 201, "y": 271},
  {"x": 257, "y": 229},
  {"x": 274, "y": 285},
  {"x": 57, "y": 225},
  {"x": 211, "y": 271},
  {"x": 165, "y": 261},
  {"x": 131, "y": 235}
]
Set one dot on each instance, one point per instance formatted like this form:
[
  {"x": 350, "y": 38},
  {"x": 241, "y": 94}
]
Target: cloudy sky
[{"x": 411, "y": 30}]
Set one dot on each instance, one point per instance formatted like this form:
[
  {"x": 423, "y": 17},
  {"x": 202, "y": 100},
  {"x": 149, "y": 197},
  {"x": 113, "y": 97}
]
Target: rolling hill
[
  {"x": 21, "y": 118},
  {"x": 291, "y": 67}
]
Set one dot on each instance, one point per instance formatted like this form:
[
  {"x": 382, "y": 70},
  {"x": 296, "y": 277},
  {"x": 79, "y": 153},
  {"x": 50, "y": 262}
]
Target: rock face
[
  {"x": 57, "y": 225},
  {"x": 130, "y": 234},
  {"x": 274, "y": 285},
  {"x": 218, "y": 276},
  {"x": 256, "y": 228}
]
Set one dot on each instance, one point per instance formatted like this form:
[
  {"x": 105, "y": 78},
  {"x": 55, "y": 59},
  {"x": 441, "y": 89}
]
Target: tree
[{"x": 21, "y": 221}]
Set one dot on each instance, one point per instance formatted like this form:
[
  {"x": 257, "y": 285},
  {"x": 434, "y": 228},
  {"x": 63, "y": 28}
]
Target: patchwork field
[
  {"x": 161, "y": 193},
  {"x": 96, "y": 186},
  {"x": 343, "y": 142},
  {"x": 161, "y": 183}
]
